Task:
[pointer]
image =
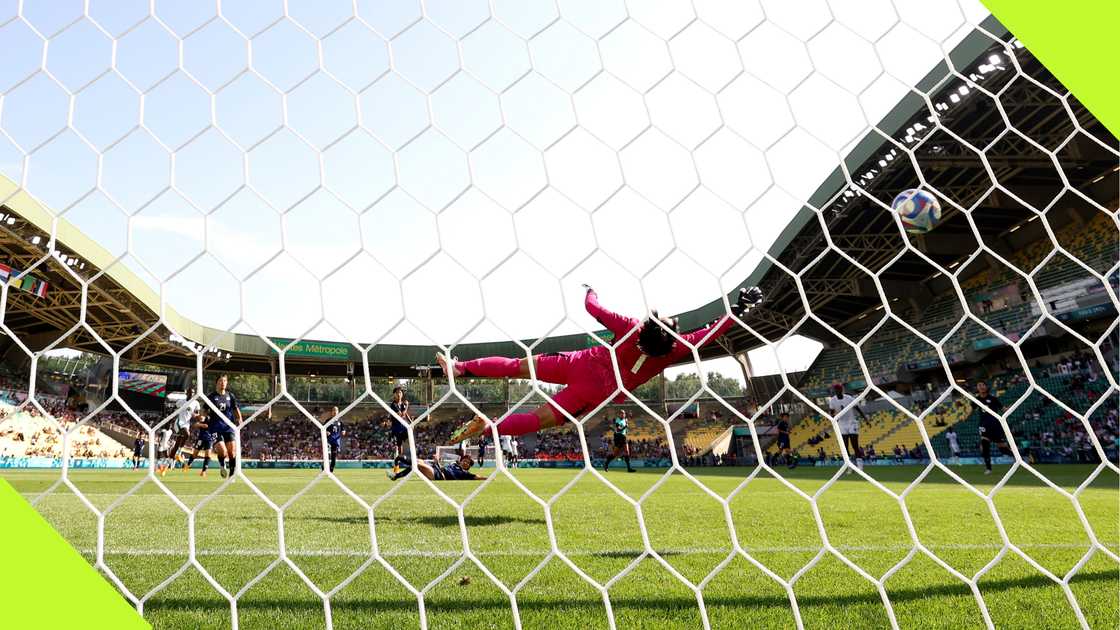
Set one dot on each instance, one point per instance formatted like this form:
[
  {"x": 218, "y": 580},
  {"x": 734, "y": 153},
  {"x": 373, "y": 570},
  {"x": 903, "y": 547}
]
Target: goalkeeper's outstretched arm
[{"x": 747, "y": 300}]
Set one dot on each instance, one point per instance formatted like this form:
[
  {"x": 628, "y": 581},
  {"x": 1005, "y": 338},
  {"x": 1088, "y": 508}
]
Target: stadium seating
[
  {"x": 905, "y": 432},
  {"x": 882, "y": 430},
  {"x": 804, "y": 429},
  {"x": 1094, "y": 243},
  {"x": 701, "y": 438},
  {"x": 698, "y": 432},
  {"x": 27, "y": 434},
  {"x": 1036, "y": 416},
  {"x": 832, "y": 365},
  {"x": 876, "y": 425}
]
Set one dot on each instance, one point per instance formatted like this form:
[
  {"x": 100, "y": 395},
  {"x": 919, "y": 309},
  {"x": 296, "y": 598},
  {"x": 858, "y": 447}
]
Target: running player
[
  {"x": 203, "y": 444},
  {"x": 189, "y": 413},
  {"x": 844, "y": 407},
  {"x": 163, "y": 448},
  {"x": 458, "y": 471},
  {"x": 621, "y": 447},
  {"x": 783, "y": 440},
  {"x": 506, "y": 444},
  {"x": 991, "y": 431},
  {"x": 954, "y": 446},
  {"x": 224, "y": 417},
  {"x": 138, "y": 451},
  {"x": 588, "y": 374},
  {"x": 399, "y": 405}
]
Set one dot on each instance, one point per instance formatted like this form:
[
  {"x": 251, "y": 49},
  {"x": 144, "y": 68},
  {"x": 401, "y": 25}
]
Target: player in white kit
[
  {"x": 505, "y": 442},
  {"x": 163, "y": 447},
  {"x": 844, "y": 408},
  {"x": 954, "y": 446},
  {"x": 189, "y": 412}
]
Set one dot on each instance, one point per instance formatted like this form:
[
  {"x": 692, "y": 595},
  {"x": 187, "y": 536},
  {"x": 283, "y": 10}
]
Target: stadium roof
[
  {"x": 121, "y": 307},
  {"x": 839, "y": 292}
]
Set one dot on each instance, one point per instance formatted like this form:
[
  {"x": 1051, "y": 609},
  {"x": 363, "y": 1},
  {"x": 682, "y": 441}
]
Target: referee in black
[{"x": 991, "y": 431}]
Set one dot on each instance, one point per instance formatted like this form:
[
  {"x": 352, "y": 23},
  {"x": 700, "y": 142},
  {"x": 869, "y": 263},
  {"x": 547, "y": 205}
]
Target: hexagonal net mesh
[{"x": 329, "y": 193}]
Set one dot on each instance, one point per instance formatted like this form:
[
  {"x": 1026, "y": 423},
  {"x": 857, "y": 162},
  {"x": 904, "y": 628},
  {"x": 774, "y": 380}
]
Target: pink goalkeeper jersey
[{"x": 589, "y": 373}]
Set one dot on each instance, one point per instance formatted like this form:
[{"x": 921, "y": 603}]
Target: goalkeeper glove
[{"x": 748, "y": 299}]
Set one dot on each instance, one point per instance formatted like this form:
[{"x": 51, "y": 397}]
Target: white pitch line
[{"x": 532, "y": 553}]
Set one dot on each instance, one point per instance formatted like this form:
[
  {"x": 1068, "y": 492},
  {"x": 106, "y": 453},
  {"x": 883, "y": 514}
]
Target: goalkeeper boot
[{"x": 468, "y": 430}]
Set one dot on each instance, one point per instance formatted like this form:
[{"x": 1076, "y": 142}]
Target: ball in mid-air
[{"x": 919, "y": 210}]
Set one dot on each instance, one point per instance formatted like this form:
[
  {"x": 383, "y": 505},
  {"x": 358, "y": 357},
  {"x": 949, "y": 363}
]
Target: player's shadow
[
  {"x": 196, "y": 605},
  {"x": 447, "y": 520}
]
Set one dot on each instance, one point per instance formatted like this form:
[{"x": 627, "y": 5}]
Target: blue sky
[{"x": 452, "y": 170}]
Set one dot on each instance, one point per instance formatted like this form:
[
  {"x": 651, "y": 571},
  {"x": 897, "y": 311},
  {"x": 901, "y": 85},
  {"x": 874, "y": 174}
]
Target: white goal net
[{"x": 356, "y": 185}]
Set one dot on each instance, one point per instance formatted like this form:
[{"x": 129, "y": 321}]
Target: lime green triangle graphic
[
  {"x": 47, "y": 582},
  {"x": 1076, "y": 41}
]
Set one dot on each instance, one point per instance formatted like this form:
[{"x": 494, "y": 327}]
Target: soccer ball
[{"x": 919, "y": 210}]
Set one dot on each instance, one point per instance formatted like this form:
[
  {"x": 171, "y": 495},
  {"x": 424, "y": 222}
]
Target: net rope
[{"x": 567, "y": 14}]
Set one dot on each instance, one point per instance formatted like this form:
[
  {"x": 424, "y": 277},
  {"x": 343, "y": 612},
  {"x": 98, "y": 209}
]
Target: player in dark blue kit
[
  {"x": 334, "y": 435},
  {"x": 399, "y": 405},
  {"x": 991, "y": 431},
  {"x": 138, "y": 451},
  {"x": 457, "y": 471},
  {"x": 202, "y": 445},
  {"x": 483, "y": 441},
  {"x": 224, "y": 417},
  {"x": 783, "y": 440}
]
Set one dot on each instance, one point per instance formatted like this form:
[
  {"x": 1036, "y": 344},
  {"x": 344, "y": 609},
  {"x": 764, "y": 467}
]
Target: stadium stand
[
  {"x": 1038, "y": 421},
  {"x": 366, "y": 429},
  {"x": 701, "y": 438},
  {"x": 1049, "y": 431},
  {"x": 1092, "y": 242},
  {"x": 905, "y": 433},
  {"x": 26, "y": 433}
]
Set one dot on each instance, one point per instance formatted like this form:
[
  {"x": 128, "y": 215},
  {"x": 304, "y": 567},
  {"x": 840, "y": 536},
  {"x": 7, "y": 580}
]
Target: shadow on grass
[
  {"x": 448, "y": 520},
  {"x": 1061, "y": 474},
  {"x": 409, "y": 605}
]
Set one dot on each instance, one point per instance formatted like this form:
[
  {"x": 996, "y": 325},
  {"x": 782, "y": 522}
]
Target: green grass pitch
[{"x": 328, "y": 536}]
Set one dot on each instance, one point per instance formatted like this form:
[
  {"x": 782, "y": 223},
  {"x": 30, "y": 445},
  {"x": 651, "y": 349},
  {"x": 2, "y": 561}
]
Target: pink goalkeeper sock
[
  {"x": 519, "y": 424},
  {"x": 491, "y": 367}
]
